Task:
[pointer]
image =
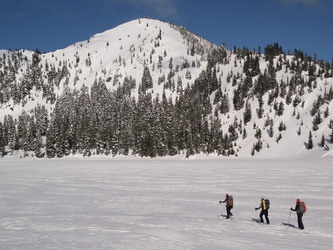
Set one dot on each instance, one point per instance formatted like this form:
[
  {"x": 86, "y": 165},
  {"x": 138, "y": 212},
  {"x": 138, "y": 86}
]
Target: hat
[
  {"x": 298, "y": 200},
  {"x": 262, "y": 197}
]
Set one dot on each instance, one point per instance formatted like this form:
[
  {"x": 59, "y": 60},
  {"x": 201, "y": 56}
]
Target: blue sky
[{"x": 53, "y": 24}]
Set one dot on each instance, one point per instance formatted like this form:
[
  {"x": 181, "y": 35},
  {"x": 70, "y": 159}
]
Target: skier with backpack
[
  {"x": 264, "y": 205},
  {"x": 300, "y": 209},
  {"x": 229, "y": 204}
]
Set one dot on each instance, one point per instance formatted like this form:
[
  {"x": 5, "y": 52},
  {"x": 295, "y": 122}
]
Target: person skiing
[
  {"x": 299, "y": 213},
  {"x": 229, "y": 204},
  {"x": 264, "y": 205}
]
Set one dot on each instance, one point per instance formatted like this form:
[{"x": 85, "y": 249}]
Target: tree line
[{"x": 97, "y": 120}]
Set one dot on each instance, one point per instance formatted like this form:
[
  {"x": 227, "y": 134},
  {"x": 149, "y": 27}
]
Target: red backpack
[
  {"x": 230, "y": 201},
  {"x": 302, "y": 207}
]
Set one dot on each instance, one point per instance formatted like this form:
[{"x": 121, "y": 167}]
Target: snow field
[{"x": 162, "y": 204}]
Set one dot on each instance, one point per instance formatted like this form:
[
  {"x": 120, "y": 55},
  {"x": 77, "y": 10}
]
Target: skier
[
  {"x": 299, "y": 212},
  {"x": 229, "y": 204},
  {"x": 264, "y": 205}
]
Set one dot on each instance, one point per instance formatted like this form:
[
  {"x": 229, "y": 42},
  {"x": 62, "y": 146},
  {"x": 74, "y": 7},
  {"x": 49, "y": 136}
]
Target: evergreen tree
[
  {"x": 2, "y": 142},
  {"x": 272, "y": 51},
  {"x": 146, "y": 81},
  {"x": 38, "y": 144},
  {"x": 271, "y": 130},
  {"x": 224, "y": 108},
  {"x": 288, "y": 98},
  {"x": 262, "y": 85},
  {"x": 247, "y": 113},
  {"x": 317, "y": 120},
  {"x": 260, "y": 111},
  {"x": 11, "y": 132},
  {"x": 218, "y": 96},
  {"x": 179, "y": 85},
  {"x": 299, "y": 131},
  {"x": 41, "y": 116},
  {"x": 282, "y": 126},
  {"x": 257, "y": 146},
  {"x": 238, "y": 99},
  {"x": 296, "y": 101},
  {"x": 214, "y": 81},
  {"x": 23, "y": 130},
  {"x": 327, "y": 112},
  {"x": 310, "y": 142},
  {"x": 322, "y": 142},
  {"x": 256, "y": 67},
  {"x": 258, "y": 133},
  {"x": 280, "y": 109},
  {"x": 244, "y": 134},
  {"x": 50, "y": 142},
  {"x": 278, "y": 138}
]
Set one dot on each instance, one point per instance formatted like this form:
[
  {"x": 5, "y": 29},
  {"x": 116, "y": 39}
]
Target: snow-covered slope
[
  {"x": 121, "y": 52},
  {"x": 124, "y": 52},
  {"x": 171, "y": 53},
  {"x": 163, "y": 204}
]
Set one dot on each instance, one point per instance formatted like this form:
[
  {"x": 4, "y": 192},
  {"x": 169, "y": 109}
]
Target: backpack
[
  {"x": 230, "y": 201},
  {"x": 266, "y": 205},
  {"x": 302, "y": 207}
]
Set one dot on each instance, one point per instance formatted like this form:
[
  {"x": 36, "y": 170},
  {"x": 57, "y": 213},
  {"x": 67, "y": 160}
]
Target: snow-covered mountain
[
  {"x": 119, "y": 53},
  {"x": 151, "y": 88}
]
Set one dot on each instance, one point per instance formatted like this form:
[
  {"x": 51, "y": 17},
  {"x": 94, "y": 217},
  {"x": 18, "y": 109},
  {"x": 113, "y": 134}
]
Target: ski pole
[
  {"x": 221, "y": 210},
  {"x": 289, "y": 217}
]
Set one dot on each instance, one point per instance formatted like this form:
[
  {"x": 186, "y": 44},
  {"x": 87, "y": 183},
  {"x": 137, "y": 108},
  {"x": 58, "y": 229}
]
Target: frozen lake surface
[{"x": 162, "y": 204}]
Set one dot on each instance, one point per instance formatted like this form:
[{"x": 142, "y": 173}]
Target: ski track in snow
[{"x": 162, "y": 204}]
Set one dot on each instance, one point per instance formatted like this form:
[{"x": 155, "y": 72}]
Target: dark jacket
[
  {"x": 262, "y": 205},
  {"x": 297, "y": 208},
  {"x": 226, "y": 201},
  {"x": 299, "y": 215}
]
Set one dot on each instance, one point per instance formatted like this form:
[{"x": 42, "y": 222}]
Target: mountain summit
[
  {"x": 150, "y": 88},
  {"x": 112, "y": 56},
  {"x": 125, "y": 50}
]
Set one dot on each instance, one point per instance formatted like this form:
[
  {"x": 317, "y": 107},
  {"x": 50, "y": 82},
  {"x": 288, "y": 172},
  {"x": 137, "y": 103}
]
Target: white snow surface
[{"x": 168, "y": 203}]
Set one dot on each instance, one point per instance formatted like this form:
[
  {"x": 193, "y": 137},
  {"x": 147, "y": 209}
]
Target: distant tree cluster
[{"x": 98, "y": 121}]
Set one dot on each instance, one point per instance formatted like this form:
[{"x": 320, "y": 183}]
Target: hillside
[{"x": 150, "y": 88}]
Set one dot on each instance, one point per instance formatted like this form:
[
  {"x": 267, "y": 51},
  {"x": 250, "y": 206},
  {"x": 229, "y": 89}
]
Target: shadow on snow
[{"x": 289, "y": 225}]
